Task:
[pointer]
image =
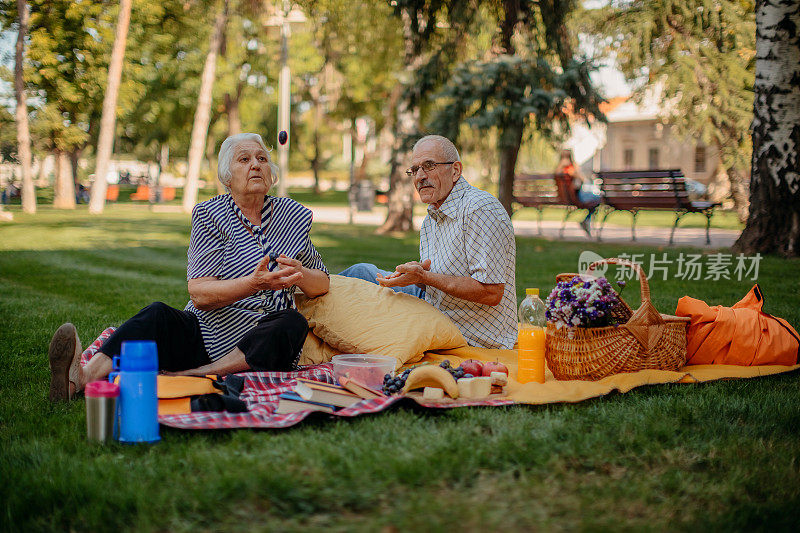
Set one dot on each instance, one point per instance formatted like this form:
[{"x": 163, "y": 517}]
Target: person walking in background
[{"x": 584, "y": 188}]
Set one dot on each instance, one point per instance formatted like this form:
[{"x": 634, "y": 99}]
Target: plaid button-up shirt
[{"x": 471, "y": 235}]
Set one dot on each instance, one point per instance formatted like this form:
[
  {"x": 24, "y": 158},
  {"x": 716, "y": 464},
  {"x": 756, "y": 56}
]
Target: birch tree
[{"x": 773, "y": 225}]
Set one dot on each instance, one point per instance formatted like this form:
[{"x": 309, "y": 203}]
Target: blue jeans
[
  {"x": 369, "y": 272},
  {"x": 587, "y": 196}
]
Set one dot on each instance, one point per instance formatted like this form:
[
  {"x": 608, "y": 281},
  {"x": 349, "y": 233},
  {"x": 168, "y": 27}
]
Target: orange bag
[{"x": 739, "y": 335}]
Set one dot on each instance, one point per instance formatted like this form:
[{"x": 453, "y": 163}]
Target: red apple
[
  {"x": 472, "y": 366},
  {"x": 494, "y": 366}
]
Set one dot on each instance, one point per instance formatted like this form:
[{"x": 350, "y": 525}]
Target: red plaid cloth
[
  {"x": 92, "y": 349},
  {"x": 261, "y": 391}
]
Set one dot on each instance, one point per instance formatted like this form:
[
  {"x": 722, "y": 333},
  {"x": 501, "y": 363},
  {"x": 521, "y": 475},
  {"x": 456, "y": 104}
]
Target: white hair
[
  {"x": 225, "y": 157},
  {"x": 446, "y": 147}
]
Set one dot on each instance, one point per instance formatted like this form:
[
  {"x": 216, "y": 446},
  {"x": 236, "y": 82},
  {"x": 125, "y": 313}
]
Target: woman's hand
[
  {"x": 313, "y": 282},
  {"x": 209, "y": 293},
  {"x": 289, "y": 273}
]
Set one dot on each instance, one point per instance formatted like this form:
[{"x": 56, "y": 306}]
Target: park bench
[
  {"x": 543, "y": 190},
  {"x": 634, "y": 190}
]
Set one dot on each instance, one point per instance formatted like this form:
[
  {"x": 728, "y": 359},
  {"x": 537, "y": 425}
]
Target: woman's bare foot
[{"x": 65, "y": 363}]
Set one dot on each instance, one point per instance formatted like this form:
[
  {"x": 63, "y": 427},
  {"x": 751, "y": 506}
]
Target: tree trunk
[
  {"x": 23, "y": 131},
  {"x": 509, "y": 136},
  {"x": 230, "y": 102},
  {"x": 315, "y": 163},
  {"x": 400, "y": 199},
  {"x": 74, "y": 156},
  {"x": 105, "y": 142},
  {"x": 232, "y": 111},
  {"x": 64, "y": 194},
  {"x": 211, "y": 157},
  {"x": 736, "y": 180},
  {"x": 509, "y": 141},
  {"x": 202, "y": 115},
  {"x": 739, "y": 192},
  {"x": 44, "y": 175},
  {"x": 317, "y": 159},
  {"x": 773, "y": 225},
  {"x": 234, "y": 128}
]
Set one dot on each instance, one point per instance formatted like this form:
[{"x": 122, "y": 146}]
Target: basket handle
[
  {"x": 643, "y": 284},
  {"x": 646, "y": 323}
]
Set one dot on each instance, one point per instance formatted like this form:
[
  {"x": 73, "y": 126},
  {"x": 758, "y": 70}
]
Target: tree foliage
[
  {"x": 165, "y": 58},
  {"x": 504, "y": 89},
  {"x": 67, "y": 68},
  {"x": 529, "y": 79},
  {"x": 701, "y": 53}
]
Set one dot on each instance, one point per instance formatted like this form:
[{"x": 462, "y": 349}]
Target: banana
[{"x": 431, "y": 376}]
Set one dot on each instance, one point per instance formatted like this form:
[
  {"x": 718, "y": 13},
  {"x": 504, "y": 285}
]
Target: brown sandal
[{"x": 65, "y": 362}]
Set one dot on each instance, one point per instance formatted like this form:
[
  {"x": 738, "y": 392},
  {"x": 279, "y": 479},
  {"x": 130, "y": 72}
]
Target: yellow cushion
[
  {"x": 316, "y": 351},
  {"x": 357, "y": 316}
]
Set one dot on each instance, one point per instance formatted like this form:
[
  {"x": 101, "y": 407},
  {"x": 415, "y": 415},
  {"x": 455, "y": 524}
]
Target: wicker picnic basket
[{"x": 645, "y": 339}]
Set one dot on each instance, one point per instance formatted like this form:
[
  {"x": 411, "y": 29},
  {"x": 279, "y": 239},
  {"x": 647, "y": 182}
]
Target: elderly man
[{"x": 467, "y": 250}]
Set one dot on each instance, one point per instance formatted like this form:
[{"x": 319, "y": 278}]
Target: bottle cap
[
  {"x": 101, "y": 389},
  {"x": 139, "y": 356},
  {"x": 532, "y": 292}
]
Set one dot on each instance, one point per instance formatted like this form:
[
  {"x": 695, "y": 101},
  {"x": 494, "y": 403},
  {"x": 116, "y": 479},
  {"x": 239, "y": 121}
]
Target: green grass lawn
[{"x": 718, "y": 456}]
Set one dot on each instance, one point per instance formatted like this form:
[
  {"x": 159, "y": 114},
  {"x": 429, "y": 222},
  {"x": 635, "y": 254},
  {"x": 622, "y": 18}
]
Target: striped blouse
[{"x": 226, "y": 245}]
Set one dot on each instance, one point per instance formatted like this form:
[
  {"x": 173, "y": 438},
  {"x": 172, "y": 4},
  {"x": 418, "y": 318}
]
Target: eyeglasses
[{"x": 427, "y": 166}]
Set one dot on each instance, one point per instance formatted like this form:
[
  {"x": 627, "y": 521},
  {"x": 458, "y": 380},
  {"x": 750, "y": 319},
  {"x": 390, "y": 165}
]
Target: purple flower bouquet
[{"x": 582, "y": 302}]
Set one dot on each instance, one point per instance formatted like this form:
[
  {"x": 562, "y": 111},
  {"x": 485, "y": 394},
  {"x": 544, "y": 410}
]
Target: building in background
[{"x": 635, "y": 138}]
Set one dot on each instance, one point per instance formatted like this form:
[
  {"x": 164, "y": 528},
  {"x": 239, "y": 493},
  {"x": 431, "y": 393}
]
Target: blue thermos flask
[{"x": 137, "y": 409}]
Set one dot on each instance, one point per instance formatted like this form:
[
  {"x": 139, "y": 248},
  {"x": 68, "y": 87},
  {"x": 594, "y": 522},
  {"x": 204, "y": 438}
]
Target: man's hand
[
  {"x": 464, "y": 287},
  {"x": 411, "y": 273},
  {"x": 289, "y": 274}
]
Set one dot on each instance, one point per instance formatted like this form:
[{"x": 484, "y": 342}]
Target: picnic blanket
[{"x": 261, "y": 389}]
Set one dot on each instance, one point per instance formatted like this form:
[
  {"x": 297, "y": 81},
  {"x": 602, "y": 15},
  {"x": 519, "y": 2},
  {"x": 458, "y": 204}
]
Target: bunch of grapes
[
  {"x": 393, "y": 385},
  {"x": 457, "y": 372}
]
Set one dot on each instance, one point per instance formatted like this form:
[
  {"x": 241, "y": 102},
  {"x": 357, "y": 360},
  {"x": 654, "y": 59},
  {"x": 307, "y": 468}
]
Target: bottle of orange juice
[{"x": 531, "y": 338}]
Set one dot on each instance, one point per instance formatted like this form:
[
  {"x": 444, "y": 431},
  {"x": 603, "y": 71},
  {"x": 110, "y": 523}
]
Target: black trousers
[{"x": 273, "y": 345}]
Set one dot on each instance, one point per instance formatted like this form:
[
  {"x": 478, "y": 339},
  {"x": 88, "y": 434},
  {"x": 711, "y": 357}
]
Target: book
[
  {"x": 360, "y": 389},
  {"x": 291, "y": 402},
  {"x": 317, "y": 391}
]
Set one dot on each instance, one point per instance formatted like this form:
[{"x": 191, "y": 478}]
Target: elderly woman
[{"x": 248, "y": 253}]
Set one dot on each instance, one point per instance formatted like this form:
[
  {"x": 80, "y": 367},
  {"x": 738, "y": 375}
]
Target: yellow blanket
[{"x": 553, "y": 391}]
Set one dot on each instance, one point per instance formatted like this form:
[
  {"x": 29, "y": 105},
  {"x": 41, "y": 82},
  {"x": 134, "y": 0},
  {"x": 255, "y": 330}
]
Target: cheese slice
[
  {"x": 475, "y": 388},
  {"x": 432, "y": 393}
]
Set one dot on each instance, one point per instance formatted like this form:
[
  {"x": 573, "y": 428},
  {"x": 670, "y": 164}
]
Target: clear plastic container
[
  {"x": 367, "y": 369},
  {"x": 532, "y": 324}
]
